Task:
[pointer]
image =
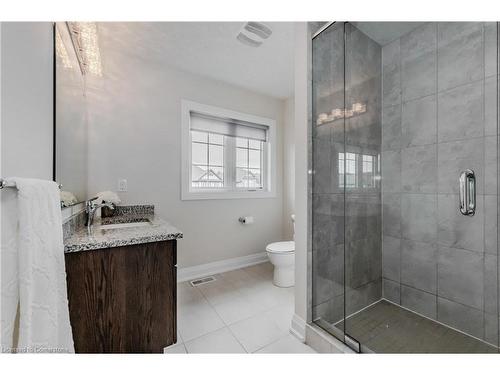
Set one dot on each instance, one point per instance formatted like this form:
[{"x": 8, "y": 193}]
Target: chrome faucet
[{"x": 90, "y": 208}]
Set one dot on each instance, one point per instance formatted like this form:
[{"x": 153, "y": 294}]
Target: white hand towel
[{"x": 44, "y": 324}]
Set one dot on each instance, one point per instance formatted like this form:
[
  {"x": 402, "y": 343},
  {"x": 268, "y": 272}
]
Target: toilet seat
[{"x": 281, "y": 247}]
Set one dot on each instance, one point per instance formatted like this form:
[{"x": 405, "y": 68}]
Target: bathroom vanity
[{"x": 122, "y": 284}]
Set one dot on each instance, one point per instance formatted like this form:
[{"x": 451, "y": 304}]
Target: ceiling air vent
[{"x": 253, "y": 34}]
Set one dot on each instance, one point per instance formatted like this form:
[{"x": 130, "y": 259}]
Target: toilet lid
[{"x": 281, "y": 247}]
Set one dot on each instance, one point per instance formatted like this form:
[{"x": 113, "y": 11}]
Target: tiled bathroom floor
[
  {"x": 241, "y": 312},
  {"x": 387, "y": 328}
]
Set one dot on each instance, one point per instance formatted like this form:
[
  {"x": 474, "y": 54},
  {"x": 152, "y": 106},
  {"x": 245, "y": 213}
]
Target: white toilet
[{"x": 282, "y": 257}]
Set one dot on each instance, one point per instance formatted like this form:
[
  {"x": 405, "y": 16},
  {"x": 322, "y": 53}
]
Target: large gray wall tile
[
  {"x": 419, "y": 122},
  {"x": 363, "y": 216},
  {"x": 490, "y": 49},
  {"x": 457, "y": 230},
  {"x": 490, "y": 106},
  {"x": 418, "y": 62},
  {"x": 322, "y": 166},
  {"x": 491, "y": 224},
  {"x": 453, "y": 30},
  {"x": 418, "y": 76},
  {"x": 454, "y": 158},
  {"x": 460, "y": 58},
  {"x": 391, "y": 291},
  {"x": 419, "y": 265},
  {"x": 460, "y": 276},
  {"x": 464, "y": 318},
  {"x": 391, "y": 53},
  {"x": 490, "y": 165},
  {"x": 419, "y": 301},
  {"x": 391, "y": 171},
  {"x": 329, "y": 265},
  {"x": 419, "y": 41},
  {"x": 418, "y": 217},
  {"x": 363, "y": 296},
  {"x": 391, "y": 258},
  {"x": 419, "y": 169},
  {"x": 391, "y": 92},
  {"x": 460, "y": 113},
  {"x": 391, "y": 128},
  {"x": 391, "y": 214},
  {"x": 491, "y": 329},
  {"x": 491, "y": 284},
  {"x": 363, "y": 261},
  {"x": 327, "y": 221}
]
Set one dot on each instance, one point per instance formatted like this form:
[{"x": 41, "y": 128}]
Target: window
[
  {"x": 207, "y": 160},
  {"x": 249, "y": 158},
  {"x": 358, "y": 170},
  {"x": 226, "y": 154}
]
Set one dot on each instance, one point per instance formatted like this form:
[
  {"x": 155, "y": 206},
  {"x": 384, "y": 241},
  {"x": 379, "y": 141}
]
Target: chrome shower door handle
[{"x": 467, "y": 192}]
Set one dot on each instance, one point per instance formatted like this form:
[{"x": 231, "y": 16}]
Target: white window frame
[{"x": 269, "y": 171}]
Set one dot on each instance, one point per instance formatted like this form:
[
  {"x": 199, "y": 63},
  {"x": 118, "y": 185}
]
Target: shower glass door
[
  {"x": 329, "y": 178},
  {"x": 362, "y": 189},
  {"x": 405, "y": 185}
]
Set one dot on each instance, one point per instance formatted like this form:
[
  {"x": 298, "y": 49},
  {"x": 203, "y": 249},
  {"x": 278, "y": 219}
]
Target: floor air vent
[{"x": 204, "y": 280}]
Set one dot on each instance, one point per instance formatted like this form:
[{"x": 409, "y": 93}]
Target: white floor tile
[
  {"x": 287, "y": 344},
  {"x": 241, "y": 310},
  {"x": 218, "y": 292},
  {"x": 235, "y": 309},
  {"x": 198, "y": 321},
  {"x": 267, "y": 295},
  {"x": 187, "y": 293},
  {"x": 256, "y": 332},
  {"x": 282, "y": 316},
  {"x": 221, "y": 341},
  {"x": 175, "y": 349}
]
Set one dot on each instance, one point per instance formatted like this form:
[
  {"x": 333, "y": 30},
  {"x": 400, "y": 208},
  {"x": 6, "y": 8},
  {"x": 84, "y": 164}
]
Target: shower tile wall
[
  {"x": 439, "y": 118},
  {"x": 363, "y": 138}
]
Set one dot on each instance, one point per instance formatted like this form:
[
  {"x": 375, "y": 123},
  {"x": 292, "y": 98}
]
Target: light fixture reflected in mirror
[
  {"x": 338, "y": 113},
  {"x": 86, "y": 43},
  {"x": 61, "y": 51}
]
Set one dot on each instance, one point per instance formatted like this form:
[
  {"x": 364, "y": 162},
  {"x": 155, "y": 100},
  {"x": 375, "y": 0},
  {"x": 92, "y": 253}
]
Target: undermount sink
[{"x": 125, "y": 225}]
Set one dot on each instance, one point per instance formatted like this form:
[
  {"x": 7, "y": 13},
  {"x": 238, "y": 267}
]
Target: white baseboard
[
  {"x": 298, "y": 328},
  {"x": 194, "y": 272}
]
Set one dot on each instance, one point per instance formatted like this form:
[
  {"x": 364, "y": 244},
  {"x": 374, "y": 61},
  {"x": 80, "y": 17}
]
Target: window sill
[{"x": 188, "y": 196}]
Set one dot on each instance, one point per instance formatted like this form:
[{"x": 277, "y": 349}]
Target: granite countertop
[{"x": 100, "y": 238}]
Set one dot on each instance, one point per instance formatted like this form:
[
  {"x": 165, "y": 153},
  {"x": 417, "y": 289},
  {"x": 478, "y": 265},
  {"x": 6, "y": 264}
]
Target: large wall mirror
[{"x": 71, "y": 122}]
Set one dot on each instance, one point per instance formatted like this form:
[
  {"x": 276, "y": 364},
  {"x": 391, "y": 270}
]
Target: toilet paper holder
[{"x": 245, "y": 219}]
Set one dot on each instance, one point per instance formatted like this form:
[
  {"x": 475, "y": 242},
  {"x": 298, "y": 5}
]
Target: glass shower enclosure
[{"x": 405, "y": 185}]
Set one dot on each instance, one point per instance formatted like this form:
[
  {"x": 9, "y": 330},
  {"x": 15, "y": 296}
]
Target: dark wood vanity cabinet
[{"x": 123, "y": 299}]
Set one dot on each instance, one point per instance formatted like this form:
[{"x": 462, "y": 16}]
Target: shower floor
[{"x": 388, "y": 328}]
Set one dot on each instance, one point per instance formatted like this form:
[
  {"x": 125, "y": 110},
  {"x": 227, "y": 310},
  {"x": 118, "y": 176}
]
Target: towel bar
[{"x": 4, "y": 184}]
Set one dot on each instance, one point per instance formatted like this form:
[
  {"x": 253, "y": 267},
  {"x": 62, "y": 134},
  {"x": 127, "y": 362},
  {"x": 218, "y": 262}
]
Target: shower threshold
[{"x": 388, "y": 328}]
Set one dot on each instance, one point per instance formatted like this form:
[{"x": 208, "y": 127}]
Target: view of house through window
[
  {"x": 249, "y": 163},
  {"x": 207, "y": 169}
]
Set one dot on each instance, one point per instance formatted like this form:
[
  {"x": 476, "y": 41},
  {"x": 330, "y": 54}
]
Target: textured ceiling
[{"x": 209, "y": 49}]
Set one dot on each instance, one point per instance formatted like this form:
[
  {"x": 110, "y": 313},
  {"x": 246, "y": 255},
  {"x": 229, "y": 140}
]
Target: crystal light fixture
[
  {"x": 338, "y": 113},
  {"x": 86, "y": 43},
  {"x": 62, "y": 52}
]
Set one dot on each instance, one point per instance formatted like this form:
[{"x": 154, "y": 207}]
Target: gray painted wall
[
  {"x": 439, "y": 118},
  {"x": 26, "y": 124},
  {"x": 134, "y": 133}
]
